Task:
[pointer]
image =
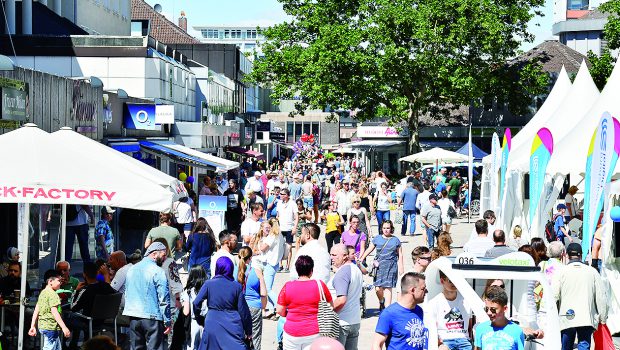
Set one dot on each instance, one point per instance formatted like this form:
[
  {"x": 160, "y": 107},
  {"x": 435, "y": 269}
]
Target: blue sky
[{"x": 268, "y": 12}]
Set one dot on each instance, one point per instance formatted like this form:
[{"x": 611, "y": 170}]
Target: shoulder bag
[
  {"x": 329, "y": 322},
  {"x": 375, "y": 263}
]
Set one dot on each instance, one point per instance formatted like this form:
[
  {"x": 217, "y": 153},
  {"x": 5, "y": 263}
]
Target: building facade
[
  {"x": 247, "y": 39},
  {"x": 579, "y": 25}
]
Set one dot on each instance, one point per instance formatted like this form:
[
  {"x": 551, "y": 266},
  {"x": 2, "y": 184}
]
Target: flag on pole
[
  {"x": 542, "y": 149},
  {"x": 470, "y": 173}
]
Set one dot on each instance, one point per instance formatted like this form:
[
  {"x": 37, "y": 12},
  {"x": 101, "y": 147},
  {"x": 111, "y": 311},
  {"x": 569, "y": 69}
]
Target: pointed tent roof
[
  {"x": 561, "y": 87},
  {"x": 571, "y": 150},
  {"x": 580, "y": 98},
  {"x": 435, "y": 155},
  {"x": 477, "y": 152}
]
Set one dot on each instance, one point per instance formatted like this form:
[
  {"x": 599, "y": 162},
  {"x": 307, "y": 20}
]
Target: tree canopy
[{"x": 400, "y": 59}]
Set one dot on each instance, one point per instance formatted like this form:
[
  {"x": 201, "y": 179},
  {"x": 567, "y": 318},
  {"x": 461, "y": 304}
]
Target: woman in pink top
[{"x": 299, "y": 303}]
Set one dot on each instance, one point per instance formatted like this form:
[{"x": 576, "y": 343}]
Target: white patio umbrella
[
  {"x": 435, "y": 155},
  {"x": 68, "y": 168}
]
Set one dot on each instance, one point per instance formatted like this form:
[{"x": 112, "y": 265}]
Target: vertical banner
[
  {"x": 542, "y": 149},
  {"x": 600, "y": 165},
  {"x": 506, "y": 145},
  {"x": 496, "y": 157},
  {"x": 213, "y": 208}
]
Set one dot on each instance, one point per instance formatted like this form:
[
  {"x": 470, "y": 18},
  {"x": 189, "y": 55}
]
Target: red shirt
[{"x": 301, "y": 300}]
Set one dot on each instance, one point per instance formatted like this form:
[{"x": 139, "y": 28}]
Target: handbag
[
  {"x": 451, "y": 212},
  {"x": 329, "y": 322},
  {"x": 375, "y": 263}
]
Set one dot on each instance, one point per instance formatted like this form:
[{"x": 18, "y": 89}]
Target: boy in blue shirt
[
  {"x": 499, "y": 332},
  {"x": 560, "y": 226},
  {"x": 400, "y": 325}
]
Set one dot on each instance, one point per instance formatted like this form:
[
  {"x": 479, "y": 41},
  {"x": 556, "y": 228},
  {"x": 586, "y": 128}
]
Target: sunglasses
[
  {"x": 427, "y": 258},
  {"x": 502, "y": 286},
  {"x": 492, "y": 309},
  {"x": 356, "y": 202}
]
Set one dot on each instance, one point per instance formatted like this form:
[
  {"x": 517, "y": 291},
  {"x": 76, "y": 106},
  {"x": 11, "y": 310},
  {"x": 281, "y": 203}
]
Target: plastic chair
[{"x": 105, "y": 307}]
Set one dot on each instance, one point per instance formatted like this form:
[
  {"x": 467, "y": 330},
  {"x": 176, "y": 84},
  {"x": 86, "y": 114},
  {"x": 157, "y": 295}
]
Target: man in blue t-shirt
[
  {"x": 499, "y": 333},
  {"x": 408, "y": 199},
  {"x": 401, "y": 325},
  {"x": 560, "y": 226}
]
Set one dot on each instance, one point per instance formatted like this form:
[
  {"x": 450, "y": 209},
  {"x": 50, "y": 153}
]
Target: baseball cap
[
  {"x": 573, "y": 249},
  {"x": 12, "y": 252},
  {"x": 257, "y": 173},
  {"x": 561, "y": 206},
  {"x": 107, "y": 210},
  {"x": 155, "y": 247},
  {"x": 432, "y": 196}
]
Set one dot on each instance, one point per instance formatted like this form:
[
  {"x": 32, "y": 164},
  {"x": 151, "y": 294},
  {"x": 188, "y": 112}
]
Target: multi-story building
[
  {"x": 579, "y": 25},
  {"x": 247, "y": 39}
]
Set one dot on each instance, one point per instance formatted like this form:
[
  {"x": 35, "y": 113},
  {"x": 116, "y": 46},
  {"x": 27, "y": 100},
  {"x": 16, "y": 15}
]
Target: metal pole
[
  {"x": 27, "y": 17},
  {"x": 10, "y": 16},
  {"x": 63, "y": 232},
  {"x": 22, "y": 308}
]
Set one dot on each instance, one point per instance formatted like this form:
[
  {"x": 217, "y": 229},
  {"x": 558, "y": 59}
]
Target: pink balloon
[{"x": 325, "y": 343}]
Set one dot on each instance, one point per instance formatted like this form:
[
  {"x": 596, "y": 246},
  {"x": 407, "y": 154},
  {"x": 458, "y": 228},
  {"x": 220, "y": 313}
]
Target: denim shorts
[{"x": 458, "y": 344}]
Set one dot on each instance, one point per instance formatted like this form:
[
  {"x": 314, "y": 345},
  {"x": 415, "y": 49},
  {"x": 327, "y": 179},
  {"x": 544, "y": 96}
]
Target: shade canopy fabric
[
  {"x": 181, "y": 154},
  {"x": 435, "y": 155},
  {"x": 525, "y": 136},
  {"x": 565, "y": 118},
  {"x": 475, "y": 150},
  {"x": 245, "y": 152},
  {"x": 571, "y": 150},
  {"x": 68, "y": 168}
]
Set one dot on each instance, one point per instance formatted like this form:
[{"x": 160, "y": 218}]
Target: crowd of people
[{"x": 275, "y": 221}]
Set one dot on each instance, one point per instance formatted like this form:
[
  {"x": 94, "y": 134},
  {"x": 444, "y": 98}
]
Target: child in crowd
[{"x": 46, "y": 311}]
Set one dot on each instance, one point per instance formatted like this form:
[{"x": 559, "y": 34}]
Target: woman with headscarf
[{"x": 229, "y": 320}]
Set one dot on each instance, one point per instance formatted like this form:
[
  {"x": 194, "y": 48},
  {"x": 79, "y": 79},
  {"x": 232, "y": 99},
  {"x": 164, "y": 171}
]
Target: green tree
[
  {"x": 400, "y": 59},
  {"x": 601, "y": 67}
]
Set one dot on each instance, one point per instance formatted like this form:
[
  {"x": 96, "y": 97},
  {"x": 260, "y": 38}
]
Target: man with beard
[
  {"x": 13, "y": 280},
  {"x": 235, "y": 207},
  {"x": 147, "y": 300}
]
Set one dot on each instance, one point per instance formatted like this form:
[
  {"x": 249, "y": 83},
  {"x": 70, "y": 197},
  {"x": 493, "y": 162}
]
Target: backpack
[
  {"x": 550, "y": 233},
  {"x": 72, "y": 212}
]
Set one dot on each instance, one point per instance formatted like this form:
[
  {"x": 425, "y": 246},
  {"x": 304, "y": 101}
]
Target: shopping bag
[
  {"x": 602, "y": 338},
  {"x": 398, "y": 217}
]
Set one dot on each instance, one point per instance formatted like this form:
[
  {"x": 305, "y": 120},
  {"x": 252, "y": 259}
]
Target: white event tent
[
  {"x": 560, "y": 89},
  {"x": 68, "y": 168},
  {"x": 434, "y": 155},
  {"x": 563, "y": 120}
]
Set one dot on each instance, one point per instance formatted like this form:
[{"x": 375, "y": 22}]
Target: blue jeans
[
  {"x": 382, "y": 215},
  {"x": 308, "y": 202},
  {"x": 406, "y": 215},
  {"x": 458, "y": 344},
  {"x": 430, "y": 234},
  {"x": 270, "y": 275},
  {"x": 51, "y": 340},
  {"x": 280, "y": 329},
  {"x": 81, "y": 231},
  {"x": 583, "y": 334}
]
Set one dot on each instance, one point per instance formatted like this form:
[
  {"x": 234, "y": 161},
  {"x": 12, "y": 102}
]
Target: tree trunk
[{"x": 413, "y": 123}]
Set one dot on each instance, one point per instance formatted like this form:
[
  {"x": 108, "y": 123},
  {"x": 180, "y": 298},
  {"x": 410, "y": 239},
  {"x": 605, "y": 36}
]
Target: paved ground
[{"x": 460, "y": 233}]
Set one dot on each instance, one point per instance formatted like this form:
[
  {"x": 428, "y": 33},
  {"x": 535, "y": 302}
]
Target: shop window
[
  {"x": 315, "y": 129},
  {"x": 306, "y": 128}
]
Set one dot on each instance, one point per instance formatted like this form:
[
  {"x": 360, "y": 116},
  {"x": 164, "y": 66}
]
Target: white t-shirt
[
  {"x": 348, "y": 281},
  {"x": 118, "y": 282},
  {"x": 81, "y": 218},
  {"x": 220, "y": 253},
  {"x": 274, "y": 254},
  {"x": 174, "y": 279},
  {"x": 451, "y": 317},
  {"x": 184, "y": 213},
  {"x": 572, "y": 210},
  {"x": 306, "y": 187},
  {"x": 321, "y": 258},
  {"x": 444, "y": 204},
  {"x": 478, "y": 246},
  {"x": 249, "y": 228},
  {"x": 286, "y": 214},
  {"x": 343, "y": 199},
  {"x": 422, "y": 199}
]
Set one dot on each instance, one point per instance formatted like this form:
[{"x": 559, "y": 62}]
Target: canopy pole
[
  {"x": 22, "y": 308},
  {"x": 63, "y": 232}
]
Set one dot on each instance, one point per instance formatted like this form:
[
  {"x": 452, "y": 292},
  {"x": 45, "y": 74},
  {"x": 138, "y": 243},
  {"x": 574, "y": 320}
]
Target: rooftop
[
  {"x": 553, "y": 55},
  {"x": 162, "y": 29}
]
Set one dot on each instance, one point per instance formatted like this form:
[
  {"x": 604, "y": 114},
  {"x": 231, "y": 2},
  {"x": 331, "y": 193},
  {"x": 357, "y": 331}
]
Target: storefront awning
[
  {"x": 125, "y": 146},
  {"x": 186, "y": 155},
  {"x": 245, "y": 152},
  {"x": 283, "y": 144},
  {"x": 374, "y": 144}
]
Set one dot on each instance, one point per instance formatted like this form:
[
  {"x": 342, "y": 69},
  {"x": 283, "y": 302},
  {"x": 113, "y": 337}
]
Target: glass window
[
  {"x": 226, "y": 34},
  {"x": 306, "y": 128},
  {"x": 298, "y": 130},
  {"x": 211, "y": 33},
  {"x": 235, "y": 34},
  {"x": 577, "y": 4},
  {"x": 136, "y": 28},
  {"x": 315, "y": 129},
  {"x": 251, "y": 34}
]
